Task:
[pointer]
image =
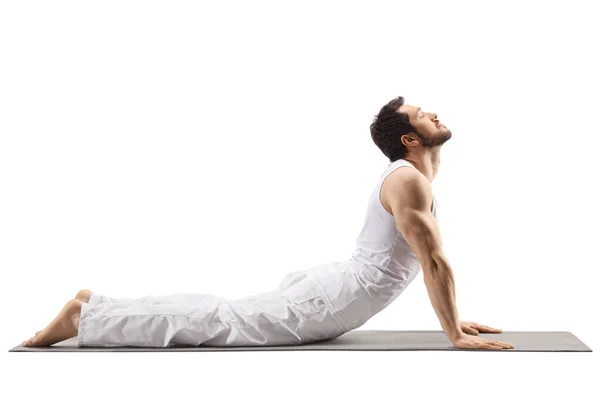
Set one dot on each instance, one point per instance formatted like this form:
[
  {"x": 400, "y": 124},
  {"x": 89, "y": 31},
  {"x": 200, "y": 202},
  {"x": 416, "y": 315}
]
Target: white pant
[{"x": 295, "y": 313}]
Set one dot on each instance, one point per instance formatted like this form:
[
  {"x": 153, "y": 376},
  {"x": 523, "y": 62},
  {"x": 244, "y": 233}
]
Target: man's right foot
[
  {"x": 83, "y": 295},
  {"x": 64, "y": 326}
]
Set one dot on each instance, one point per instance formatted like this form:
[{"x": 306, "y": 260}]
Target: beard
[{"x": 441, "y": 137}]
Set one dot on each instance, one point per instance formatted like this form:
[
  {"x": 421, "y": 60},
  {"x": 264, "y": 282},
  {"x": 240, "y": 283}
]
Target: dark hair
[{"x": 388, "y": 127}]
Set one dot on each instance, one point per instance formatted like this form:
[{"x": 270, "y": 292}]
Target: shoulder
[
  {"x": 406, "y": 178},
  {"x": 407, "y": 183}
]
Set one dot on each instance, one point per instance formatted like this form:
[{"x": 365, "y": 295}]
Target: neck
[{"x": 427, "y": 162}]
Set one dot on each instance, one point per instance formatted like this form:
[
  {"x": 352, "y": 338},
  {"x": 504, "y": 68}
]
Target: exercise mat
[{"x": 372, "y": 340}]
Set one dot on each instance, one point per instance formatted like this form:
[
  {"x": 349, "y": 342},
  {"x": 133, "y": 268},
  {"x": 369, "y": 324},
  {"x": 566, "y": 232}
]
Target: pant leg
[
  {"x": 292, "y": 314},
  {"x": 202, "y": 299},
  {"x": 189, "y": 298}
]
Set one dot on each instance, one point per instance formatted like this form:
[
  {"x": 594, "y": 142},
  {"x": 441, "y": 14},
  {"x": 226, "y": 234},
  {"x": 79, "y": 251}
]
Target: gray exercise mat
[{"x": 372, "y": 340}]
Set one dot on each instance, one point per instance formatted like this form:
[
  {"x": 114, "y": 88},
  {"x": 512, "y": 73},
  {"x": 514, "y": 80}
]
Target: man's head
[{"x": 400, "y": 129}]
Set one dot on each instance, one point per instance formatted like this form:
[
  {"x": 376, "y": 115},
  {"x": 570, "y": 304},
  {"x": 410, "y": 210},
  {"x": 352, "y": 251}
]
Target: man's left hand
[{"x": 473, "y": 328}]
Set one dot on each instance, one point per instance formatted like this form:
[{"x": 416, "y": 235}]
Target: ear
[{"x": 409, "y": 140}]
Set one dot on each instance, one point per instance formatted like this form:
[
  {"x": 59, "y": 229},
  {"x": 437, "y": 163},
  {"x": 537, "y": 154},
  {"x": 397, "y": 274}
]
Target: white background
[{"x": 165, "y": 147}]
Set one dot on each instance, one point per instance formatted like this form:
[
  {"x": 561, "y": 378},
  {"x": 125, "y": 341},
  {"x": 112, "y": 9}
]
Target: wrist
[{"x": 454, "y": 336}]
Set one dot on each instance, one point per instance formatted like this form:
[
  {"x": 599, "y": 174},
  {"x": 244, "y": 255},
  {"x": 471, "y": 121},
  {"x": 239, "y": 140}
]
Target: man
[{"x": 400, "y": 236}]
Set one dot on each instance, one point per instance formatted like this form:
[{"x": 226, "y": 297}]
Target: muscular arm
[{"x": 410, "y": 198}]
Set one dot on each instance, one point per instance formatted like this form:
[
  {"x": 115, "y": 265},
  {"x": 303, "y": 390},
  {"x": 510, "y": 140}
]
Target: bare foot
[
  {"x": 64, "y": 326},
  {"x": 83, "y": 295}
]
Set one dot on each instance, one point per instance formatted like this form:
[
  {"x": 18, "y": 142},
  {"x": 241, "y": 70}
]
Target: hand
[
  {"x": 472, "y": 328},
  {"x": 466, "y": 341}
]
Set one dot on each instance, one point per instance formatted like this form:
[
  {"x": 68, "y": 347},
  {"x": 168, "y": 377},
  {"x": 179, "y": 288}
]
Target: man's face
[{"x": 429, "y": 130}]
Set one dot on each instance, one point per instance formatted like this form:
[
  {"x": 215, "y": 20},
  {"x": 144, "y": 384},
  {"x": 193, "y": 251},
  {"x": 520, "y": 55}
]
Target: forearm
[{"x": 440, "y": 286}]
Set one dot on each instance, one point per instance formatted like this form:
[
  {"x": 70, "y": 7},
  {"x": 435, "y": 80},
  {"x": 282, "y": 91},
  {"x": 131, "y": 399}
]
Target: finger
[
  {"x": 472, "y": 331},
  {"x": 505, "y": 345},
  {"x": 487, "y": 329},
  {"x": 493, "y": 347}
]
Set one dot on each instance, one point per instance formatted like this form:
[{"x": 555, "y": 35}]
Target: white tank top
[{"x": 379, "y": 269}]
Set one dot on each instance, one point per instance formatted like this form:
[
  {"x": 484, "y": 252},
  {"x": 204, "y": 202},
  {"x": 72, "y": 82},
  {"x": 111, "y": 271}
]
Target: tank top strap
[{"x": 394, "y": 165}]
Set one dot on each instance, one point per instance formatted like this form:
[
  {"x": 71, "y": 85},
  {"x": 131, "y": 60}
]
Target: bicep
[
  {"x": 411, "y": 206},
  {"x": 421, "y": 231}
]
